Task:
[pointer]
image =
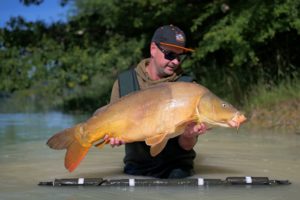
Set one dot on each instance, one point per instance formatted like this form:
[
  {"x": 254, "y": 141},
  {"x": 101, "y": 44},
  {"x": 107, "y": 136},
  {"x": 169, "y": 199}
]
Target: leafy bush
[{"x": 238, "y": 44}]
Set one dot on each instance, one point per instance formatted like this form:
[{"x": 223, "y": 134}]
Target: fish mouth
[{"x": 237, "y": 120}]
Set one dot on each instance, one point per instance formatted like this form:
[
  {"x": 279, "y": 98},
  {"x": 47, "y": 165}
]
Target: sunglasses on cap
[{"x": 170, "y": 55}]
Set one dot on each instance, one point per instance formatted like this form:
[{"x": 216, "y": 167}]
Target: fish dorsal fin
[
  {"x": 157, "y": 148},
  {"x": 156, "y": 139}
]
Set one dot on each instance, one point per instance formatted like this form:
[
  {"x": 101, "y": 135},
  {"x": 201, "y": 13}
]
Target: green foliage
[
  {"x": 72, "y": 65},
  {"x": 253, "y": 40}
]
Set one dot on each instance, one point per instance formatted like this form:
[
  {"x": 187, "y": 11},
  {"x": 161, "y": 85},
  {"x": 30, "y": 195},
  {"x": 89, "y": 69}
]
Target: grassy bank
[{"x": 276, "y": 108}]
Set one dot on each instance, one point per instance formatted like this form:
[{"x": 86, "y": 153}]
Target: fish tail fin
[
  {"x": 66, "y": 140},
  {"x": 74, "y": 155},
  {"x": 62, "y": 139}
]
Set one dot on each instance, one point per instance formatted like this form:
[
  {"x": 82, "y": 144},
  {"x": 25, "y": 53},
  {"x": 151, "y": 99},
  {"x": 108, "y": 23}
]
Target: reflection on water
[{"x": 25, "y": 160}]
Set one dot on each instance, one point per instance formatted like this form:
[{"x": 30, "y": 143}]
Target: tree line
[{"x": 72, "y": 65}]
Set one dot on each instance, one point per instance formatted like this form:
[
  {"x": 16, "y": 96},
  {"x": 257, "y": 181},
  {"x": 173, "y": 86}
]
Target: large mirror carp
[{"x": 153, "y": 115}]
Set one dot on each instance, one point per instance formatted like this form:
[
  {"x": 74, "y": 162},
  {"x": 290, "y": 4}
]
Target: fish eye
[{"x": 224, "y": 105}]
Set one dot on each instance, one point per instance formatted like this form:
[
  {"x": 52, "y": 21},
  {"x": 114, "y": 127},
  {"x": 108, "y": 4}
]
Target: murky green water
[{"x": 25, "y": 160}]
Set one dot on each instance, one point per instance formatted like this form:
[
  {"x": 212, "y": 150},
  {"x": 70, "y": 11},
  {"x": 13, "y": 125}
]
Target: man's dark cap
[{"x": 171, "y": 36}]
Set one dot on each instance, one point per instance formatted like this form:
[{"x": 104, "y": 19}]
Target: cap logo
[{"x": 179, "y": 37}]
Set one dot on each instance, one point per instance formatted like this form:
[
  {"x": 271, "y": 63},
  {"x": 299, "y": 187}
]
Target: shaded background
[{"x": 246, "y": 51}]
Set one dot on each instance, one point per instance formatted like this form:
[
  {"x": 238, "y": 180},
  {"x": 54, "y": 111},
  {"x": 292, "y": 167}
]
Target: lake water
[{"x": 25, "y": 160}]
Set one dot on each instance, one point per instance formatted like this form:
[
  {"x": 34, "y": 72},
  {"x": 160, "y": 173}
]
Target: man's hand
[
  {"x": 114, "y": 142},
  {"x": 193, "y": 129},
  {"x": 188, "y": 138}
]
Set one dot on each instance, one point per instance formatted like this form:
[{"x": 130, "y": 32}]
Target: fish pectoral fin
[
  {"x": 101, "y": 144},
  {"x": 157, "y": 148},
  {"x": 180, "y": 127},
  {"x": 156, "y": 139}
]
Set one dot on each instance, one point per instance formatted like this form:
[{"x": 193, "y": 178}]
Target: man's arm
[{"x": 189, "y": 138}]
